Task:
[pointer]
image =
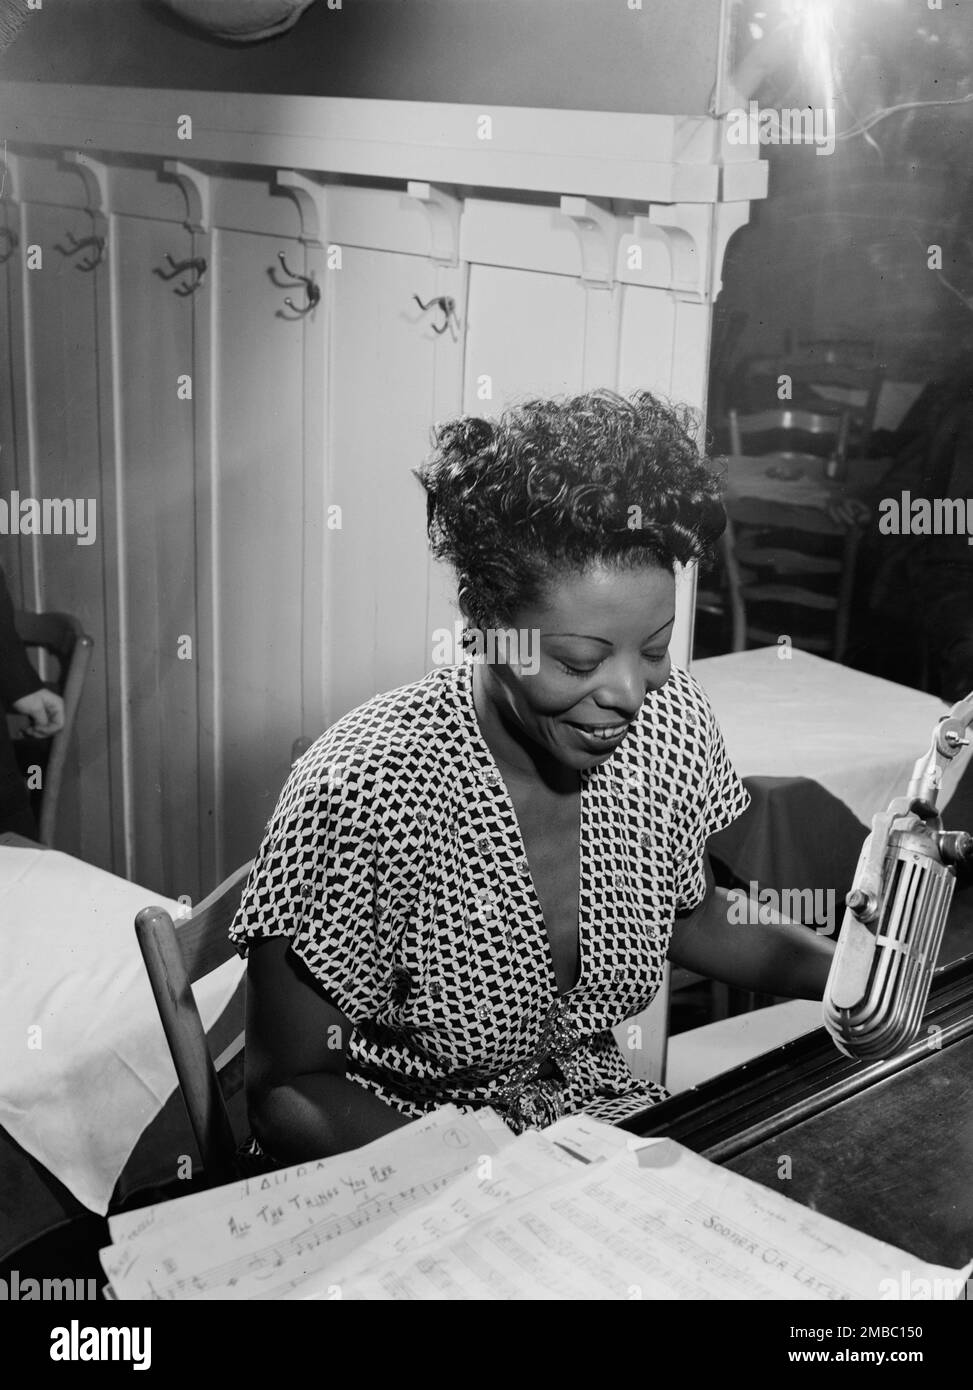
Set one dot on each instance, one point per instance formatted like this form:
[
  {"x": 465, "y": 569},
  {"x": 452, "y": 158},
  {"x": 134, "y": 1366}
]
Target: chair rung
[
  {"x": 790, "y": 593},
  {"x": 791, "y": 561}
]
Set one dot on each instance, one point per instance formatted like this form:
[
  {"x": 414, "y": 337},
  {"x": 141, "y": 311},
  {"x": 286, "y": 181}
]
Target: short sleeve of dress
[
  {"x": 314, "y": 880},
  {"x": 712, "y": 802}
]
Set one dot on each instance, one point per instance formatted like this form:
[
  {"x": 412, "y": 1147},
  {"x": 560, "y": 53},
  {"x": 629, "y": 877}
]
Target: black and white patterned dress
[{"x": 395, "y": 864}]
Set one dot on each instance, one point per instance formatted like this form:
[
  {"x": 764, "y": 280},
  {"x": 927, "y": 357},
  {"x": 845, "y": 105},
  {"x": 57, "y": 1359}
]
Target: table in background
[{"x": 821, "y": 748}]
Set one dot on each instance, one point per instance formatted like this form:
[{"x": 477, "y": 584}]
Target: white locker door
[
  {"x": 392, "y": 375},
  {"x": 11, "y": 335},
  {"x": 156, "y": 383},
  {"x": 252, "y": 537},
  {"x": 60, "y": 449},
  {"x": 531, "y": 333}
]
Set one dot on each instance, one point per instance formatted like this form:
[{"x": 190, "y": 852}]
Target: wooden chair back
[
  {"x": 824, "y": 376},
  {"x": 789, "y": 432},
  {"x": 177, "y": 955},
  {"x": 766, "y": 566},
  {"x": 62, "y": 637}
]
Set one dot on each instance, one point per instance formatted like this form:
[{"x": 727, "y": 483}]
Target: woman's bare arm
[
  {"x": 301, "y": 1104},
  {"x": 777, "y": 957}
]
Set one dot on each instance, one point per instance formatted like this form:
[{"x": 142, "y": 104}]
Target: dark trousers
[{"x": 15, "y": 810}]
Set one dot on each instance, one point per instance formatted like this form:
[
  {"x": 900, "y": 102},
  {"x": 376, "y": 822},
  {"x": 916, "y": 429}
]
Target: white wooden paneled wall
[{"x": 260, "y": 565}]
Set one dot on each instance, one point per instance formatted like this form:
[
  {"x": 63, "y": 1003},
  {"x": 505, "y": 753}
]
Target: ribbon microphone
[{"x": 896, "y": 910}]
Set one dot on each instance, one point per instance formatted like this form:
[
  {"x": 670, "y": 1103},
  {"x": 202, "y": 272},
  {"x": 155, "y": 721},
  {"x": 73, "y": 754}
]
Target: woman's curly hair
[{"x": 562, "y": 484}]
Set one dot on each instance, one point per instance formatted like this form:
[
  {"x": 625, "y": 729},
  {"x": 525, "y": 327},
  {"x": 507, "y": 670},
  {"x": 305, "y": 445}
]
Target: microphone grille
[{"x": 882, "y": 970}]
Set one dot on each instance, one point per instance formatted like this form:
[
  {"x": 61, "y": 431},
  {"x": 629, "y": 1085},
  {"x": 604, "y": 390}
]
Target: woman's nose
[{"x": 624, "y": 692}]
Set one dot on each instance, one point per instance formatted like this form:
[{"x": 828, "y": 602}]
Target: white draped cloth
[{"x": 84, "y": 1063}]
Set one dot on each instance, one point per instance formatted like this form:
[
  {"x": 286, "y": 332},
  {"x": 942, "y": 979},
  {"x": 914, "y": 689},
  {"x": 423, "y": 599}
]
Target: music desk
[{"x": 885, "y": 1147}]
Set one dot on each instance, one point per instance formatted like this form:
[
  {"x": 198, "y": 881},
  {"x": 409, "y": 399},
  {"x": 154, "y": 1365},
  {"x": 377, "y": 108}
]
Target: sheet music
[
  {"x": 527, "y": 1165},
  {"x": 141, "y": 1221},
  {"x": 655, "y": 1223},
  {"x": 258, "y": 1237}
]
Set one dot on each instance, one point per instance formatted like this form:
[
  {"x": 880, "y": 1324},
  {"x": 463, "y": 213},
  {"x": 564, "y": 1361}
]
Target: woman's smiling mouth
[{"x": 600, "y": 733}]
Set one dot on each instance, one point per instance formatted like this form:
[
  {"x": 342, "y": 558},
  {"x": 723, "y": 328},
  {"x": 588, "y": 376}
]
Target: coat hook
[
  {"x": 447, "y": 306},
  {"x": 74, "y": 246},
  {"x": 9, "y": 239},
  {"x": 311, "y": 288},
  {"x": 197, "y": 265}
]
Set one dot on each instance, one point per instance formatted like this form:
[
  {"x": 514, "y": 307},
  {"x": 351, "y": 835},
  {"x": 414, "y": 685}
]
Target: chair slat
[
  {"x": 790, "y": 593},
  {"x": 176, "y": 956},
  {"x": 790, "y": 561},
  {"x": 203, "y": 937}
]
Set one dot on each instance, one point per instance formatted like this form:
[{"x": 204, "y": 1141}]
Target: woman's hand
[{"x": 45, "y": 710}]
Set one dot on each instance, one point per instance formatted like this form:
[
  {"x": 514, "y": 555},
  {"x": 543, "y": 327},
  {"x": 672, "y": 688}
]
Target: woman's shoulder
[
  {"x": 680, "y": 705},
  {"x": 406, "y": 733},
  {"x": 676, "y": 728}
]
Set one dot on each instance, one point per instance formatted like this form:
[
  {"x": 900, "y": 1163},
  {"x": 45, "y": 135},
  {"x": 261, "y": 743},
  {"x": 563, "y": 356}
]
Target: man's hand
[
  {"x": 849, "y": 511},
  {"x": 44, "y": 709}
]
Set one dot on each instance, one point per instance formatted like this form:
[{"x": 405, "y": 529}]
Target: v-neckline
[{"x": 513, "y": 826}]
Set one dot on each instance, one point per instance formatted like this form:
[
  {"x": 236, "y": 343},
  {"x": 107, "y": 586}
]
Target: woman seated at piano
[{"x": 470, "y": 880}]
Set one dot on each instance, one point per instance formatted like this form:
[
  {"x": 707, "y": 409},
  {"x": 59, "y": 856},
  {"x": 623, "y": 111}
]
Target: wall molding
[
  {"x": 195, "y": 186},
  {"x": 311, "y": 198},
  {"x": 443, "y": 210},
  {"x": 596, "y": 154}
]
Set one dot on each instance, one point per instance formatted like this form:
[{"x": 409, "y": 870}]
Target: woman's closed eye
[{"x": 653, "y": 657}]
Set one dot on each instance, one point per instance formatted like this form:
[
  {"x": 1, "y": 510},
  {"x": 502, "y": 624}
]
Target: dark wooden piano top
[{"x": 885, "y": 1147}]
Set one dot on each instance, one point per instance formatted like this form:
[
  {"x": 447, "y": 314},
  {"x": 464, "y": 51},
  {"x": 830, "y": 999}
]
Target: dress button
[
  {"x": 645, "y": 839},
  {"x": 523, "y": 867},
  {"x": 435, "y": 991},
  {"x": 422, "y": 817},
  {"x": 491, "y": 776},
  {"x": 484, "y": 844},
  {"x": 483, "y": 1011},
  {"x": 618, "y": 881}
]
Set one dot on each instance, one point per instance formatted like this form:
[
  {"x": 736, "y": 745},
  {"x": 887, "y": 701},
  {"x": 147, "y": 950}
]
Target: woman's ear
[{"x": 463, "y": 602}]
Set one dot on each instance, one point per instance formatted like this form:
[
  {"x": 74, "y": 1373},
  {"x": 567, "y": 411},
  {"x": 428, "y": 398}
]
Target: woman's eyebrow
[{"x": 586, "y": 637}]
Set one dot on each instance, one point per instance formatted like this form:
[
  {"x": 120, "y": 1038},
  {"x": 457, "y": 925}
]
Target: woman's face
[{"x": 599, "y": 645}]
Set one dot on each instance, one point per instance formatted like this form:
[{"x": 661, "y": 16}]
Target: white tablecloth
[
  {"x": 856, "y": 735},
  {"x": 84, "y": 1064}
]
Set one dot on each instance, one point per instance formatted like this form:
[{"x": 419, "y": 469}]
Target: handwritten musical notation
[
  {"x": 259, "y": 1237},
  {"x": 453, "y": 1207},
  {"x": 650, "y": 1220}
]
